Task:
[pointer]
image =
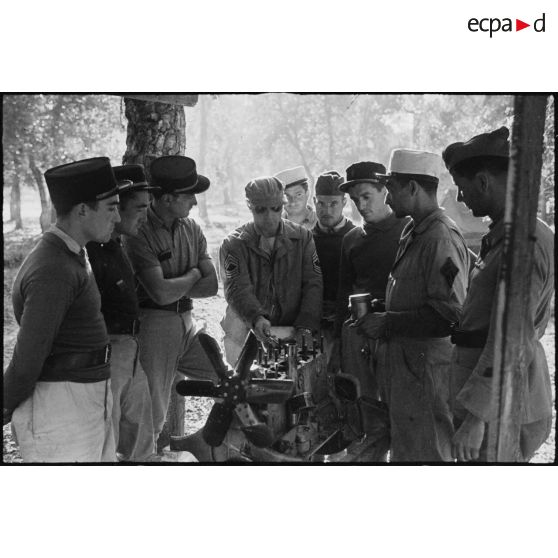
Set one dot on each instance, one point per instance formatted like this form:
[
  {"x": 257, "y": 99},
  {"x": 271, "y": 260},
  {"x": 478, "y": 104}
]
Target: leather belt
[
  {"x": 183, "y": 304},
  {"x": 469, "y": 339},
  {"x": 76, "y": 361},
  {"x": 131, "y": 327}
]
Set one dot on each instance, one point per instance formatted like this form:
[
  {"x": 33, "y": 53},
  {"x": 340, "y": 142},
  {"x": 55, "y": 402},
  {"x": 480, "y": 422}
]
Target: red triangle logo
[{"x": 519, "y": 25}]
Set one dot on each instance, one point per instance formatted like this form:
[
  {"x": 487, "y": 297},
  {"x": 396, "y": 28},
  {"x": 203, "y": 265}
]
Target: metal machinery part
[{"x": 287, "y": 408}]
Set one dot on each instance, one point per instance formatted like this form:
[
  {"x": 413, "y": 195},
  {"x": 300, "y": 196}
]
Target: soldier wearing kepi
[
  {"x": 272, "y": 274},
  {"x": 57, "y": 385},
  {"x": 479, "y": 168},
  {"x": 328, "y": 233},
  {"x": 170, "y": 258},
  {"x": 367, "y": 254},
  {"x": 424, "y": 297},
  {"x": 131, "y": 410},
  {"x": 297, "y": 209}
]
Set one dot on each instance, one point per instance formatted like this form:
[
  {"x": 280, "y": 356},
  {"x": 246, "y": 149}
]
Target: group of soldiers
[{"x": 104, "y": 301}]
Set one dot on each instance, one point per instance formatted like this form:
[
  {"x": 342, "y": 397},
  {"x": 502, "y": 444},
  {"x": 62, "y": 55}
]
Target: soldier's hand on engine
[
  {"x": 468, "y": 439},
  {"x": 372, "y": 325},
  {"x": 262, "y": 328}
]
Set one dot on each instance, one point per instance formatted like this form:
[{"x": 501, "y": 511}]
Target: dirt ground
[{"x": 208, "y": 310}]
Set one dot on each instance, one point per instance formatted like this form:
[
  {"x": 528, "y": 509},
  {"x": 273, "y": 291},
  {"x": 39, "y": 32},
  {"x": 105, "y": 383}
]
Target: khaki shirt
[
  {"x": 472, "y": 367},
  {"x": 429, "y": 273},
  {"x": 175, "y": 250}
]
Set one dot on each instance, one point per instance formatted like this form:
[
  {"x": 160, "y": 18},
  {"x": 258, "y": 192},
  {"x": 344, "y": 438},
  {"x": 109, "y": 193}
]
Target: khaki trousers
[
  {"x": 131, "y": 409},
  {"x": 66, "y": 422},
  {"x": 170, "y": 348},
  {"x": 413, "y": 377}
]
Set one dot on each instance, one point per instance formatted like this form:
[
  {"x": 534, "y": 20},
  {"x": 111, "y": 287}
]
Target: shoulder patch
[
  {"x": 316, "y": 263},
  {"x": 449, "y": 270},
  {"x": 231, "y": 266}
]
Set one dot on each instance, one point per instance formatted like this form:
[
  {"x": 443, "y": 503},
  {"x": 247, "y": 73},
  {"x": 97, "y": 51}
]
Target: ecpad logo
[{"x": 492, "y": 25}]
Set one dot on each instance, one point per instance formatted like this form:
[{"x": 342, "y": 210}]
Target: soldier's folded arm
[
  {"x": 207, "y": 284},
  {"x": 310, "y": 312},
  {"x": 47, "y": 300},
  {"x": 238, "y": 287},
  {"x": 166, "y": 291}
]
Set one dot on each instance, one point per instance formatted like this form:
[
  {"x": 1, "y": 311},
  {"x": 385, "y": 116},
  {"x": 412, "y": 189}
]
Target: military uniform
[
  {"x": 328, "y": 240},
  {"x": 367, "y": 254},
  {"x": 284, "y": 284},
  {"x": 131, "y": 410},
  {"x": 474, "y": 352},
  {"x": 424, "y": 296},
  {"x": 471, "y": 373},
  {"x": 168, "y": 334},
  {"x": 296, "y": 176},
  {"x": 57, "y": 384}
]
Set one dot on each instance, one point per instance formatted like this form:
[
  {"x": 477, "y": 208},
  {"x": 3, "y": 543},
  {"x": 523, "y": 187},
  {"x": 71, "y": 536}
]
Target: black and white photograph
[{"x": 278, "y": 278}]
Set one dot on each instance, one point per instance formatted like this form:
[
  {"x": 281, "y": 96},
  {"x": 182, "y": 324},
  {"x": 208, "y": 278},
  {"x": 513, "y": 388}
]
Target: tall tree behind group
[{"x": 42, "y": 131}]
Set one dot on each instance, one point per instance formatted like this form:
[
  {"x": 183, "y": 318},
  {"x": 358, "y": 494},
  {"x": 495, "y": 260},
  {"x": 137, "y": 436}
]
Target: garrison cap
[
  {"x": 265, "y": 191},
  {"x": 419, "y": 164},
  {"x": 87, "y": 180},
  {"x": 131, "y": 178},
  {"x": 176, "y": 174},
  {"x": 365, "y": 171},
  {"x": 293, "y": 177},
  {"x": 328, "y": 184},
  {"x": 491, "y": 144}
]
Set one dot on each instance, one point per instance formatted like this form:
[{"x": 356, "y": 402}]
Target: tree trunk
[
  {"x": 46, "y": 215},
  {"x": 155, "y": 130},
  {"x": 513, "y": 294},
  {"x": 15, "y": 197},
  {"x": 202, "y": 200}
]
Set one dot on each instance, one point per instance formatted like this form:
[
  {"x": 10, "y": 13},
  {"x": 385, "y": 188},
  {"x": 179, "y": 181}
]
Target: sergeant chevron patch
[
  {"x": 231, "y": 266},
  {"x": 316, "y": 263}
]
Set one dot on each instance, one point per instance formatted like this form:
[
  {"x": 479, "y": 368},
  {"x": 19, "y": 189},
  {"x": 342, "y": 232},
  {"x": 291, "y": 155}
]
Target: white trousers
[{"x": 66, "y": 422}]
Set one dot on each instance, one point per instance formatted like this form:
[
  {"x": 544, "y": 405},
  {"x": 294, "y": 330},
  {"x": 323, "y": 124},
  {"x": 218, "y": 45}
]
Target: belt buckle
[{"x": 108, "y": 350}]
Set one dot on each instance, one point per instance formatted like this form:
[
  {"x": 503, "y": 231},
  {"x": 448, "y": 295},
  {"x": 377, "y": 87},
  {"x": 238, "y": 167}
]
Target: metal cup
[{"x": 360, "y": 305}]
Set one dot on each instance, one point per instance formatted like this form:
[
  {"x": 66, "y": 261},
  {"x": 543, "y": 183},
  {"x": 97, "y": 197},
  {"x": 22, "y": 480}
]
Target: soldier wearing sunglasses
[{"x": 271, "y": 271}]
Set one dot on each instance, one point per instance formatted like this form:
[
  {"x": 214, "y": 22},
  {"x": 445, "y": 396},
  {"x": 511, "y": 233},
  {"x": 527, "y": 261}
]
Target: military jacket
[
  {"x": 428, "y": 281},
  {"x": 472, "y": 367},
  {"x": 285, "y": 286}
]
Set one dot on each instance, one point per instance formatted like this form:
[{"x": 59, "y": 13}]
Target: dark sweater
[
  {"x": 58, "y": 308},
  {"x": 117, "y": 285},
  {"x": 367, "y": 255},
  {"x": 328, "y": 247}
]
